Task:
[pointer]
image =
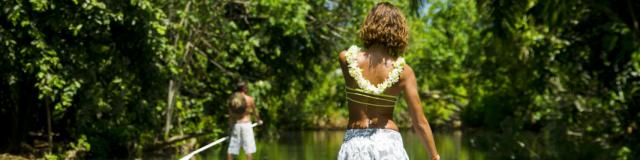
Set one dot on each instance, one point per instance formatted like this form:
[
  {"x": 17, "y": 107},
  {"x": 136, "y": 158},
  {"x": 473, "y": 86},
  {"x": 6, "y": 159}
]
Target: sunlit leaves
[
  {"x": 107, "y": 64},
  {"x": 577, "y": 66},
  {"x": 83, "y": 59},
  {"x": 39, "y": 5}
]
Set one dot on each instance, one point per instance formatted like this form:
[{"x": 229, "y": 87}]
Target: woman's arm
[{"x": 420, "y": 123}]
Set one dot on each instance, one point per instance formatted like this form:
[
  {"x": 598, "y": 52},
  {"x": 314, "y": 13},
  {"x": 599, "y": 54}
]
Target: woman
[{"x": 374, "y": 78}]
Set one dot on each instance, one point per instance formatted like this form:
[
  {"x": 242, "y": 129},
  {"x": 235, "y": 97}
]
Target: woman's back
[
  {"x": 368, "y": 109},
  {"x": 374, "y": 79}
]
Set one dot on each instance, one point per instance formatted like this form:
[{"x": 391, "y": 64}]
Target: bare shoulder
[
  {"x": 249, "y": 98},
  {"x": 408, "y": 73},
  {"x": 407, "y": 77},
  {"x": 343, "y": 56}
]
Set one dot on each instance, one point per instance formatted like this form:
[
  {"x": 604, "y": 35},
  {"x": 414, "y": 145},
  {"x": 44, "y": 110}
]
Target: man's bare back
[
  {"x": 246, "y": 115},
  {"x": 242, "y": 106}
]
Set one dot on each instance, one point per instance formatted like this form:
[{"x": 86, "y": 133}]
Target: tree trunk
[
  {"x": 171, "y": 93},
  {"x": 50, "y": 134},
  {"x": 172, "y": 85}
]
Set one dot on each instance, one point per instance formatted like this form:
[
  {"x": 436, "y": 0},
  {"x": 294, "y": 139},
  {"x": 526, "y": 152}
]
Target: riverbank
[
  {"x": 7, "y": 156},
  {"x": 341, "y": 123}
]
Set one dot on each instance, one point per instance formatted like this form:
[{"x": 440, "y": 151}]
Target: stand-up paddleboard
[{"x": 188, "y": 156}]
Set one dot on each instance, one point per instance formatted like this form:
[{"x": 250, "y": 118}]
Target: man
[{"x": 241, "y": 106}]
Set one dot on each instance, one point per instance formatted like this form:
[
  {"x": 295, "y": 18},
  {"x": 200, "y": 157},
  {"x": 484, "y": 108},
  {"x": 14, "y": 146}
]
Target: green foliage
[
  {"x": 82, "y": 144},
  {"x": 107, "y": 68},
  {"x": 125, "y": 78},
  {"x": 442, "y": 40},
  {"x": 559, "y": 67},
  {"x": 78, "y": 59}
]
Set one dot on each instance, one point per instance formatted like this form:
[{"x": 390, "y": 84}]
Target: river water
[
  {"x": 456, "y": 145},
  {"x": 313, "y": 145}
]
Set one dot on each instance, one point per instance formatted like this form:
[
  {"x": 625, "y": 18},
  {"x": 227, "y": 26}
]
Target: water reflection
[
  {"x": 451, "y": 145},
  {"x": 312, "y": 145}
]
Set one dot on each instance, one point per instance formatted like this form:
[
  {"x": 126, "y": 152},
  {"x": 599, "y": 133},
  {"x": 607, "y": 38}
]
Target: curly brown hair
[{"x": 385, "y": 25}]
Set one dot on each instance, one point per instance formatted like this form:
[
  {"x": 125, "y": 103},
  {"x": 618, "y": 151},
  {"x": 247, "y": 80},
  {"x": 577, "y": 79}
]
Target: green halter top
[{"x": 356, "y": 92}]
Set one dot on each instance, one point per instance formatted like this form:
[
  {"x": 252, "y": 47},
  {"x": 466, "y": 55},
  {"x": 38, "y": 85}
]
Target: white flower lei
[{"x": 356, "y": 72}]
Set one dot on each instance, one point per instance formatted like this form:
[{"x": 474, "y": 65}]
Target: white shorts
[
  {"x": 242, "y": 135},
  {"x": 373, "y": 144}
]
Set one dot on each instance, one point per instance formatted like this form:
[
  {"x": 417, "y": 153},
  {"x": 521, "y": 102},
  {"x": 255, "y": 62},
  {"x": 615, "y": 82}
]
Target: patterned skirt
[{"x": 378, "y": 144}]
